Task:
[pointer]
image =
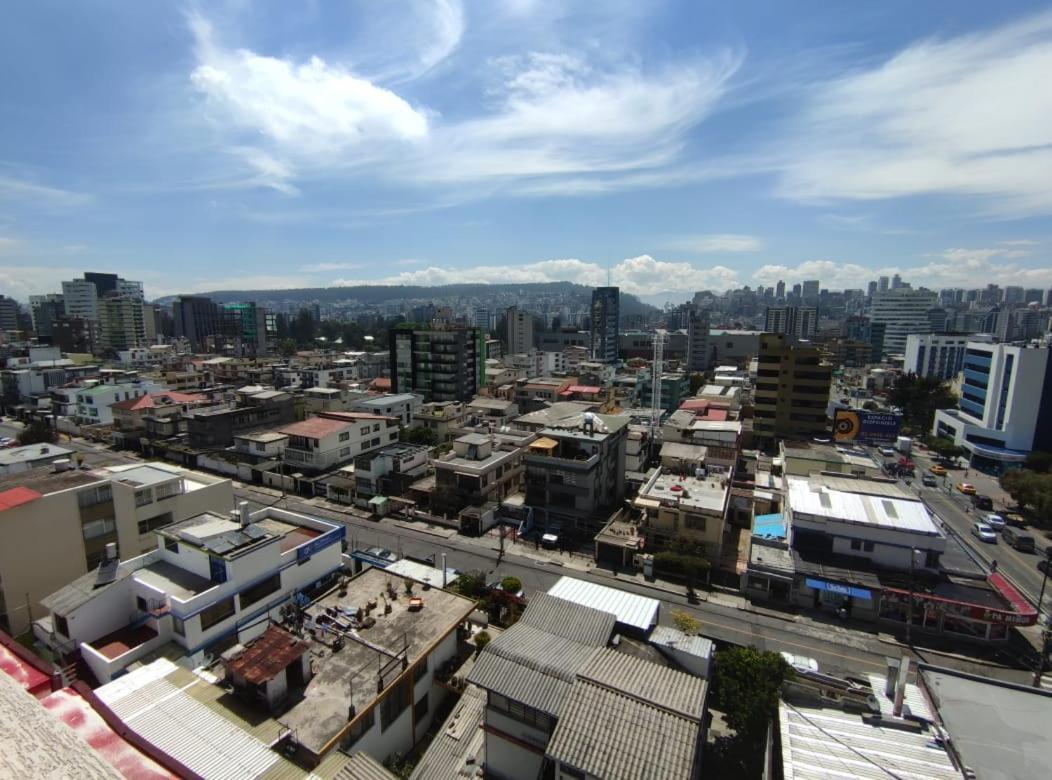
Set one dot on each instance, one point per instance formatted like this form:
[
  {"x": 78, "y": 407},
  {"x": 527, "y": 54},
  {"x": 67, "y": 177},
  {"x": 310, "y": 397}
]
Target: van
[
  {"x": 1019, "y": 540},
  {"x": 982, "y": 502}
]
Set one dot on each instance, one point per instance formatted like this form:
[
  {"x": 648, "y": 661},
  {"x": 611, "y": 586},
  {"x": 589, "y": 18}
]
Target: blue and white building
[
  {"x": 1005, "y": 407},
  {"x": 938, "y": 354},
  {"x": 214, "y": 581}
]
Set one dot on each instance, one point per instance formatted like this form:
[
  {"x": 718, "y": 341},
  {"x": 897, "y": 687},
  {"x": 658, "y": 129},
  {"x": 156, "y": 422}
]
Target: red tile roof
[
  {"x": 267, "y": 655},
  {"x": 9, "y": 499},
  {"x": 153, "y": 400},
  {"x": 584, "y": 389},
  {"x": 316, "y": 427},
  {"x": 380, "y": 383}
]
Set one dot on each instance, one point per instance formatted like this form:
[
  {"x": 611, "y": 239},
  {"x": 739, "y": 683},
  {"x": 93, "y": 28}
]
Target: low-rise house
[
  {"x": 493, "y": 413},
  {"x": 95, "y": 403},
  {"x": 537, "y": 392},
  {"x": 480, "y": 469},
  {"x": 214, "y": 427},
  {"x": 129, "y": 416},
  {"x": 404, "y": 406},
  {"x": 261, "y": 445},
  {"x": 686, "y": 506},
  {"x": 442, "y": 418},
  {"x": 212, "y": 582},
  {"x": 333, "y": 438},
  {"x": 31, "y": 456},
  {"x": 55, "y": 523},
  {"x": 801, "y": 458},
  {"x": 388, "y": 471}
]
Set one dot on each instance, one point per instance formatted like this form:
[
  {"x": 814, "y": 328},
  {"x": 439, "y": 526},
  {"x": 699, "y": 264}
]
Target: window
[
  {"x": 95, "y": 495},
  {"x": 375, "y": 442},
  {"x": 345, "y": 436},
  {"x": 217, "y": 613},
  {"x": 856, "y": 544},
  {"x": 420, "y": 671},
  {"x": 260, "y": 446},
  {"x": 153, "y": 523},
  {"x": 60, "y": 623},
  {"x": 96, "y": 528},
  {"x": 260, "y": 590},
  {"x": 394, "y": 704},
  {"x": 521, "y": 712},
  {"x": 345, "y": 451},
  {"x": 178, "y": 626},
  {"x": 176, "y": 488},
  {"x": 364, "y": 430},
  {"x": 141, "y": 605},
  {"x": 376, "y": 427},
  {"x": 867, "y": 547},
  {"x": 420, "y": 708},
  {"x": 171, "y": 545},
  {"x": 360, "y": 728}
]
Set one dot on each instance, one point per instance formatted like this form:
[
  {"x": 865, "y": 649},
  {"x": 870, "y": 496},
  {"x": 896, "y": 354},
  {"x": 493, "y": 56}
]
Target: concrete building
[
  {"x": 698, "y": 353},
  {"x": 55, "y": 524},
  {"x": 438, "y": 365},
  {"x": 130, "y": 416},
  {"x": 387, "y": 471},
  {"x": 796, "y": 321},
  {"x": 733, "y": 347},
  {"x": 493, "y": 413},
  {"x": 80, "y": 299},
  {"x": 210, "y": 583},
  {"x": 95, "y": 403},
  {"x": 246, "y": 329},
  {"x": 605, "y": 323},
  {"x": 9, "y": 314},
  {"x": 940, "y": 355},
  {"x": 792, "y": 390},
  {"x": 902, "y": 311},
  {"x": 519, "y": 325},
  {"x": 442, "y": 418},
  {"x": 333, "y": 438},
  {"x": 121, "y": 324},
  {"x": 1005, "y": 408},
  {"x": 689, "y": 506},
  {"x": 30, "y": 456},
  {"x": 575, "y": 472},
  {"x": 675, "y": 388},
  {"x": 196, "y": 318},
  {"x": 402, "y": 406},
  {"x": 480, "y": 469},
  {"x": 216, "y": 426}
]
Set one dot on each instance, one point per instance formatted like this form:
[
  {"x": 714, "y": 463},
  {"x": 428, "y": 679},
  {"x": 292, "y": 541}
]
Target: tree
[
  {"x": 697, "y": 381},
  {"x": 746, "y": 686},
  {"x": 418, "y": 435},
  {"x": 482, "y": 638},
  {"x": 1029, "y": 489},
  {"x": 946, "y": 449},
  {"x": 287, "y": 348},
  {"x": 37, "y": 432},
  {"x": 919, "y": 397},
  {"x": 471, "y": 585},
  {"x": 686, "y": 623},
  {"x": 1039, "y": 461},
  {"x": 511, "y": 584},
  {"x": 870, "y": 406}
]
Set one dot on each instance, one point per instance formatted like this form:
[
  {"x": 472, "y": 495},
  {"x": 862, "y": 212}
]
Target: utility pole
[
  {"x": 909, "y": 605},
  {"x": 1045, "y": 636}
]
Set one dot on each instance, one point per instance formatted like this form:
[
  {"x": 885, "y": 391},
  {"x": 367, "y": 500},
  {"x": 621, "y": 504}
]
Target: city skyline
[{"x": 201, "y": 148}]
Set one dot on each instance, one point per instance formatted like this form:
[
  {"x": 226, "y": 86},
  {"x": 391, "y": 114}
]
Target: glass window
[
  {"x": 60, "y": 623},
  {"x": 420, "y": 708},
  {"x": 141, "y": 604},
  {"x": 260, "y": 590},
  {"x": 96, "y": 528},
  {"x": 178, "y": 626},
  {"x": 171, "y": 545},
  {"x": 217, "y": 613},
  {"x": 360, "y": 728},
  {"x": 394, "y": 704},
  {"x": 345, "y": 436}
]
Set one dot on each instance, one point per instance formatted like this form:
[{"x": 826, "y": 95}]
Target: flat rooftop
[
  {"x": 829, "y": 453},
  {"x": 265, "y": 437},
  {"x": 709, "y": 493},
  {"x": 31, "y": 452},
  {"x": 805, "y": 498},
  {"x": 349, "y": 675},
  {"x": 44, "y": 479},
  {"x": 145, "y": 476}
]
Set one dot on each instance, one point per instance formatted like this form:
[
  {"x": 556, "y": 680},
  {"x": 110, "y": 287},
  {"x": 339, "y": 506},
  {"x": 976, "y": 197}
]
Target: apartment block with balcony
[
  {"x": 211, "y": 582},
  {"x": 55, "y": 523},
  {"x": 387, "y": 471},
  {"x": 331, "y": 439},
  {"x": 437, "y": 364},
  {"x": 575, "y": 472},
  {"x": 481, "y": 469},
  {"x": 791, "y": 391},
  {"x": 95, "y": 403},
  {"x": 217, "y": 426},
  {"x": 1005, "y": 408},
  {"x": 687, "y": 506},
  {"x": 442, "y": 418}
]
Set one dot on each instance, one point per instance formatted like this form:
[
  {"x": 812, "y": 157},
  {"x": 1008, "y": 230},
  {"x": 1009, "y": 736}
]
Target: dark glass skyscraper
[{"x": 606, "y": 312}]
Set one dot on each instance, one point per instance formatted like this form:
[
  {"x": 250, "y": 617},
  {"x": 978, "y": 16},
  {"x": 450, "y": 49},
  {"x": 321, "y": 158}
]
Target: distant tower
[
  {"x": 606, "y": 311},
  {"x": 779, "y": 290}
]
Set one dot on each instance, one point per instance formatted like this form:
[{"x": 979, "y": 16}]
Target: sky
[{"x": 674, "y": 146}]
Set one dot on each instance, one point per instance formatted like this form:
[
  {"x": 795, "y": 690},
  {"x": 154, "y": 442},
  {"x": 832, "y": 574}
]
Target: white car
[
  {"x": 984, "y": 532},
  {"x": 888, "y": 452},
  {"x": 800, "y": 663},
  {"x": 995, "y": 521}
]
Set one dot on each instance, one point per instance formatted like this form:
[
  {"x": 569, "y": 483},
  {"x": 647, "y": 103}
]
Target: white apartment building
[
  {"x": 81, "y": 299},
  {"x": 212, "y": 577},
  {"x": 401, "y": 405},
  {"x": 520, "y": 330},
  {"x": 902, "y": 311},
  {"x": 1005, "y": 407},
  {"x": 938, "y": 354},
  {"x": 94, "y": 402},
  {"x": 55, "y": 523},
  {"x": 332, "y": 438}
]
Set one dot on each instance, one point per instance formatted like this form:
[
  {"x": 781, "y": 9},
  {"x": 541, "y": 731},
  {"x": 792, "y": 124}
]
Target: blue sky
[{"x": 682, "y": 145}]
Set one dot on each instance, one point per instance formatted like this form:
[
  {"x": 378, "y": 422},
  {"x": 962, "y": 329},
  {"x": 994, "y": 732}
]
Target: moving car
[
  {"x": 995, "y": 521},
  {"x": 985, "y": 503},
  {"x": 1023, "y": 542},
  {"x": 937, "y": 470},
  {"x": 888, "y": 452},
  {"x": 984, "y": 533},
  {"x": 929, "y": 481},
  {"x": 966, "y": 488}
]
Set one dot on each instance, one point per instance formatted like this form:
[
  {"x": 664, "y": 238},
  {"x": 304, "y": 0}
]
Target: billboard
[{"x": 862, "y": 426}]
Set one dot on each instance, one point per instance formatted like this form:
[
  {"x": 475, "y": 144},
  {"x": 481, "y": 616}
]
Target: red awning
[{"x": 1008, "y": 592}]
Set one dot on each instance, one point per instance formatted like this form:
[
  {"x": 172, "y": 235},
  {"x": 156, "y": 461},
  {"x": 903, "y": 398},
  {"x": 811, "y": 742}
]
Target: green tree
[
  {"x": 746, "y": 686},
  {"x": 920, "y": 397},
  {"x": 1030, "y": 489},
  {"x": 685, "y": 622},
  {"x": 482, "y": 638},
  {"x": 287, "y": 348},
  {"x": 418, "y": 435},
  {"x": 511, "y": 584},
  {"x": 1039, "y": 461},
  {"x": 471, "y": 585},
  {"x": 37, "y": 432}
]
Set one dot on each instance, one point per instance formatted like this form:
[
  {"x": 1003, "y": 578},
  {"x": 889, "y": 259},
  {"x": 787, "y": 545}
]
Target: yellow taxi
[
  {"x": 967, "y": 489},
  {"x": 938, "y": 470}
]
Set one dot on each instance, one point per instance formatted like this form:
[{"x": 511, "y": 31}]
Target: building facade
[
  {"x": 519, "y": 325},
  {"x": 196, "y": 318},
  {"x": 605, "y": 322},
  {"x": 438, "y": 365},
  {"x": 792, "y": 390},
  {"x": 940, "y": 355},
  {"x": 902, "y": 311}
]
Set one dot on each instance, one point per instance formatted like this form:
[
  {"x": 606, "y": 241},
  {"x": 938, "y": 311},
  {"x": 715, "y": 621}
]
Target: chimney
[
  {"x": 900, "y": 686},
  {"x": 242, "y": 508},
  {"x": 111, "y": 551},
  {"x": 892, "y": 677}
]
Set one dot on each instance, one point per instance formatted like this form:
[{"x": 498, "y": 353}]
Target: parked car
[
  {"x": 985, "y": 503},
  {"x": 937, "y": 470},
  {"x": 1021, "y": 541},
  {"x": 888, "y": 452},
  {"x": 995, "y": 521},
  {"x": 800, "y": 663},
  {"x": 1043, "y": 565},
  {"x": 966, "y": 488},
  {"x": 984, "y": 533},
  {"x": 929, "y": 481}
]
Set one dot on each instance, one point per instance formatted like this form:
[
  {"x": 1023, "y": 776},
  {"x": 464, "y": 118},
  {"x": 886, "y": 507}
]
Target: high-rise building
[
  {"x": 697, "y": 340},
  {"x": 246, "y": 328},
  {"x": 81, "y": 299},
  {"x": 797, "y": 321},
  {"x": 779, "y": 290},
  {"x": 1013, "y": 295},
  {"x": 74, "y": 335},
  {"x": 792, "y": 390},
  {"x": 938, "y": 319},
  {"x": 45, "y": 311},
  {"x": 443, "y": 364},
  {"x": 810, "y": 292},
  {"x": 519, "y": 326},
  {"x": 991, "y": 295},
  {"x": 1005, "y": 407},
  {"x": 9, "y": 311},
  {"x": 882, "y": 284},
  {"x": 606, "y": 312},
  {"x": 1033, "y": 296},
  {"x": 871, "y": 290},
  {"x": 196, "y": 319},
  {"x": 936, "y": 354},
  {"x": 121, "y": 324},
  {"x": 903, "y": 311},
  {"x": 896, "y": 282},
  {"x": 483, "y": 319},
  {"x": 797, "y": 292}
]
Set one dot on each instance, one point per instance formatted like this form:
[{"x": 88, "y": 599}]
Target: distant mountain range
[{"x": 379, "y": 294}]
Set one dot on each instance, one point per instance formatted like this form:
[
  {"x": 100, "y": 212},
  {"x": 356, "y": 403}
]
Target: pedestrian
[{"x": 993, "y": 565}]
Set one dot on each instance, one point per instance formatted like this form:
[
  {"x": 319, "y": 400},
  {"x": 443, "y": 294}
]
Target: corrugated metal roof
[
  {"x": 569, "y": 620},
  {"x": 457, "y": 748},
  {"x": 362, "y": 766},
  {"x": 649, "y": 683},
  {"x": 666, "y": 636},
  {"x": 822, "y": 742},
  {"x": 183, "y": 727},
  {"x": 609, "y": 734},
  {"x": 630, "y": 610}
]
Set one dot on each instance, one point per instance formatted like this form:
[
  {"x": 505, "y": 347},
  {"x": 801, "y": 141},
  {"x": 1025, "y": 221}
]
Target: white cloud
[
  {"x": 716, "y": 242},
  {"x": 833, "y": 275},
  {"x": 22, "y": 190},
  {"x": 641, "y": 275},
  {"x": 960, "y": 116},
  {"x": 315, "y": 268}
]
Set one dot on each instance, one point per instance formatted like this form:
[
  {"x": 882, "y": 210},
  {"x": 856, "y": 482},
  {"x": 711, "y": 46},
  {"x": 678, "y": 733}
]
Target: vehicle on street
[
  {"x": 966, "y": 488},
  {"x": 995, "y": 521},
  {"x": 1021, "y": 541},
  {"x": 984, "y": 533},
  {"x": 1043, "y": 566},
  {"x": 985, "y": 503},
  {"x": 888, "y": 452},
  {"x": 929, "y": 481},
  {"x": 800, "y": 663},
  {"x": 937, "y": 470}
]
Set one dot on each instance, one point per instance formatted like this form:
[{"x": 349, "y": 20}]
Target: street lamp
[{"x": 1044, "y": 628}]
